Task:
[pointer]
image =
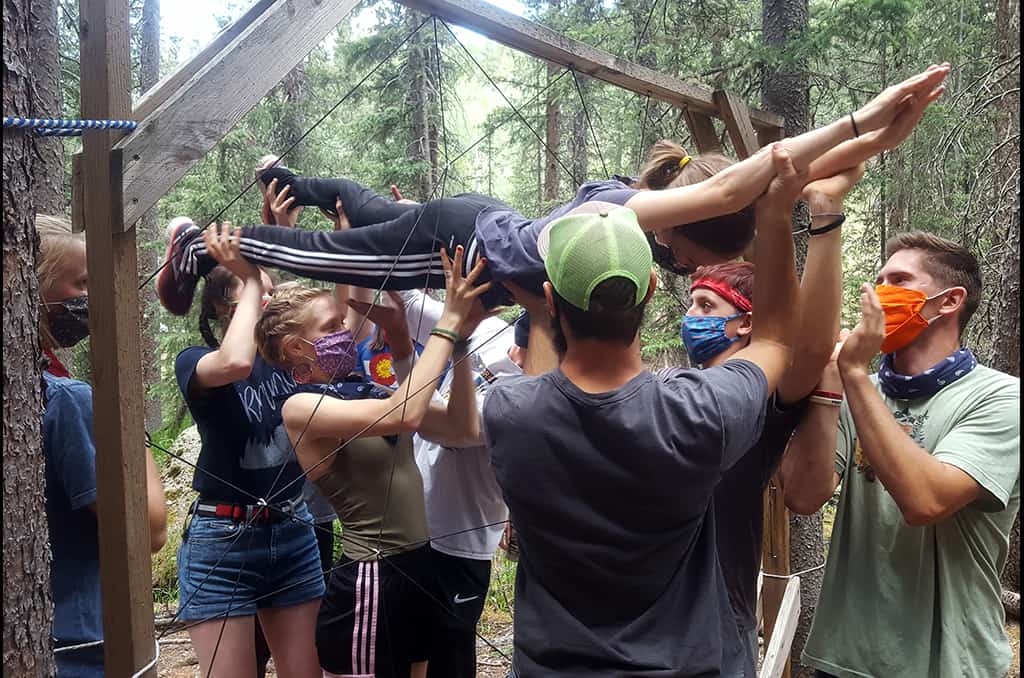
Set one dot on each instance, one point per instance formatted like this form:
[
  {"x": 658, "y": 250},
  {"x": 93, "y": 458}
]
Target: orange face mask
[{"x": 903, "y": 319}]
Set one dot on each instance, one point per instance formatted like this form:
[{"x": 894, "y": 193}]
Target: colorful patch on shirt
[
  {"x": 862, "y": 463},
  {"x": 912, "y": 425},
  {"x": 382, "y": 369}
]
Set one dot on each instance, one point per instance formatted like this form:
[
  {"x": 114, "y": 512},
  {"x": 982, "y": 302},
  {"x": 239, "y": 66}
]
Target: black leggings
[{"x": 391, "y": 245}]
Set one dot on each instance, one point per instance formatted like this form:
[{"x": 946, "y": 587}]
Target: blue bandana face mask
[{"x": 704, "y": 336}]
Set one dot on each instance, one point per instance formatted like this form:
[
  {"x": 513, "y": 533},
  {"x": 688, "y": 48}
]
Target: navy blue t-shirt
[
  {"x": 70, "y": 458},
  {"x": 739, "y": 510},
  {"x": 611, "y": 497},
  {"x": 244, "y": 439}
]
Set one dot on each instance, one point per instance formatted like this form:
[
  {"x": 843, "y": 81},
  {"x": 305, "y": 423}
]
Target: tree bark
[
  {"x": 786, "y": 90},
  {"x": 553, "y": 136},
  {"x": 1006, "y": 204},
  {"x": 420, "y": 104},
  {"x": 48, "y": 177},
  {"x": 149, "y": 254},
  {"x": 27, "y": 605},
  {"x": 294, "y": 89}
]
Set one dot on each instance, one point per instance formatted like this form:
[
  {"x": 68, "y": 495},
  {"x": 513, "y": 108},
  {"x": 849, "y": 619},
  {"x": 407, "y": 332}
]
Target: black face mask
[{"x": 69, "y": 320}]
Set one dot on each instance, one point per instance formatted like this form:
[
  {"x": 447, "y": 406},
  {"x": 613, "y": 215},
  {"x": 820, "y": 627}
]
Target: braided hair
[{"x": 215, "y": 303}]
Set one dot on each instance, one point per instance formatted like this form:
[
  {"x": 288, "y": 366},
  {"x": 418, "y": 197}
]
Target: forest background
[{"x": 809, "y": 60}]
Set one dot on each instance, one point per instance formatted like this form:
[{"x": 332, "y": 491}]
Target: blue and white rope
[{"x": 60, "y": 127}]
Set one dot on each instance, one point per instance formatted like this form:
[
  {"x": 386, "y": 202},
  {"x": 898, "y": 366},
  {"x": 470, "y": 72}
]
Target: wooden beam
[
  {"x": 77, "y": 194},
  {"x": 542, "y": 42},
  {"x": 702, "y": 129},
  {"x": 775, "y": 555},
  {"x": 778, "y": 645},
  {"x": 125, "y": 566},
  {"x": 161, "y": 91},
  {"x": 737, "y": 120},
  {"x": 191, "y": 121}
]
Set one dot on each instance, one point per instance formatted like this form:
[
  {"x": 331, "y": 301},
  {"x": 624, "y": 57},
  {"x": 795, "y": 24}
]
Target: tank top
[{"x": 376, "y": 521}]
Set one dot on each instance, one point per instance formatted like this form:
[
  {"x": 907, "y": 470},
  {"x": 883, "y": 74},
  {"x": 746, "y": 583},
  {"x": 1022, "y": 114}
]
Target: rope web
[{"x": 267, "y": 500}]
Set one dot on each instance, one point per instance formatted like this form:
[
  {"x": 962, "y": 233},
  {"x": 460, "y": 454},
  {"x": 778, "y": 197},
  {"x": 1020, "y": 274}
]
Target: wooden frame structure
[{"x": 119, "y": 176}]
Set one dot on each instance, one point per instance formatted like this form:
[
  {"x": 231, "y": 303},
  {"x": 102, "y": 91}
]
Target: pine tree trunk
[
  {"x": 423, "y": 145},
  {"x": 294, "y": 89},
  {"x": 48, "y": 177},
  {"x": 149, "y": 252},
  {"x": 1006, "y": 205},
  {"x": 553, "y": 136},
  {"x": 786, "y": 91},
  {"x": 28, "y": 610}
]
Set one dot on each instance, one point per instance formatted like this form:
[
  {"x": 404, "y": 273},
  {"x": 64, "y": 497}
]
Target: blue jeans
[{"x": 226, "y": 569}]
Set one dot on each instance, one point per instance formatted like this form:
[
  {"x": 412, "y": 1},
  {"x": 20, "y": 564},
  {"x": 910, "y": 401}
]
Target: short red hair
[{"x": 736, "y": 275}]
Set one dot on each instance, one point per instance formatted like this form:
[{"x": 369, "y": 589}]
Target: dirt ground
[{"x": 178, "y": 661}]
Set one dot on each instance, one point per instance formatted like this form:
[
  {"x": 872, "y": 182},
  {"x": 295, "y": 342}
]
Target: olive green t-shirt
[{"x": 924, "y": 602}]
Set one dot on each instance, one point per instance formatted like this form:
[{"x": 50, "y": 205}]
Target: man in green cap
[{"x": 608, "y": 470}]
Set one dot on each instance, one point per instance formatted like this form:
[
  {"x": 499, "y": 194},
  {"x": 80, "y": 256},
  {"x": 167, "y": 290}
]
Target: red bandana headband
[{"x": 728, "y": 293}]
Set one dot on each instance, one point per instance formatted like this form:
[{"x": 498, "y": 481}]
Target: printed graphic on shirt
[
  {"x": 269, "y": 446},
  {"x": 912, "y": 425},
  {"x": 380, "y": 369}
]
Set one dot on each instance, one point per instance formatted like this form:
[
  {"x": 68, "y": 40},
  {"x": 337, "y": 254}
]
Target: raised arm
[
  {"x": 808, "y": 470},
  {"x": 156, "y": 504},
  {"x": 775, "y": 288},
  {"x": 821, "y": 287},
  {"x": 739, "y": 185},
  {"x": 233, "y": 360},
  {"x": 403, "y": 412}
]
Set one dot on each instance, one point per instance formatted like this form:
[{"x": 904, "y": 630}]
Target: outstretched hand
[
  {"x": 339, "y": 218},
  {"x": 883, "y": 109},
  {"x": 389, "y": 317},
  {"x": 463, "y": 309},
  {"x": 865, "y": 341},
  {"x": 908, "y": 113},
  {"x": 282, "y": 206},
  {"x": 224, "y": 244}
]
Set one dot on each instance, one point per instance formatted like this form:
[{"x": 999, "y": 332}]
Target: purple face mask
[{"x": 335, "y": 353}]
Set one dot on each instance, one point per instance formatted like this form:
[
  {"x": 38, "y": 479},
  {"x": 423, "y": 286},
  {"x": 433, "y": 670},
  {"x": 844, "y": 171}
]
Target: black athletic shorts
[
  {"x": 374, "y": 620},
  {"x": 461, "y": 584}
]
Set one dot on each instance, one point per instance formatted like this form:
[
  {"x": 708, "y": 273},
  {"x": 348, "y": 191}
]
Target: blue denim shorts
[{"x": 226, "y": 569}]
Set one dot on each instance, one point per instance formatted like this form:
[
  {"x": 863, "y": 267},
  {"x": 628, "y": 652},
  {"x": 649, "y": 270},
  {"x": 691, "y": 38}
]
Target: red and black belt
[{"x": 250, "y": 513}]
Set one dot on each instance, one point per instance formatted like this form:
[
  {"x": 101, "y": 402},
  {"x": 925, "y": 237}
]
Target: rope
[
  {"x": 590, "y": 124},
  {"x": 151, "y": 664},
  {"x": 59, "y": 123},
  {"x": 795, "y": 574},
  {"x": 80, "y": 646},
  {"x": 511, "y": 105},
  {"x": 305, "y": 134}
]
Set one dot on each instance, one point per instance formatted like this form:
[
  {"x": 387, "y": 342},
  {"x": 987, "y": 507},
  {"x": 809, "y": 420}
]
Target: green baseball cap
[{"x": 592, "y": 244}]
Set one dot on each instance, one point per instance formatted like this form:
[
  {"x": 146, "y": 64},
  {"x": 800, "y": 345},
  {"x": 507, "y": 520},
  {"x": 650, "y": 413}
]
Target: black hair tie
[{"x": 830, "y": 226}]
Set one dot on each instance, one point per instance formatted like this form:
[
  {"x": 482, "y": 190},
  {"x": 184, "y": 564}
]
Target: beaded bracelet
[{"x": 445, "y": 334}]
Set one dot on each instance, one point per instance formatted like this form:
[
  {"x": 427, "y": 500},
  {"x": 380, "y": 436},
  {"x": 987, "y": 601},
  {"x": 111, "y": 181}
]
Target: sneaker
[{"x": 175, "y": 287}]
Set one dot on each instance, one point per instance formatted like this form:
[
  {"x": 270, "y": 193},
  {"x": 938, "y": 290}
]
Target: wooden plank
[
  {"x": 177, "y": 134},
  {"x": 702, "y": 129},
  {"x": 125, "y": 569},
  {"x": 775, "y": 555},
  {"x": 161, "y": 91},
  {"x": 767, "y": 135},
  {"x": 540, "y": 41},
  {"x": 776, "y": 655},
  {"x": 77, "y": 197},
  {"x": 737, "y": 120}
]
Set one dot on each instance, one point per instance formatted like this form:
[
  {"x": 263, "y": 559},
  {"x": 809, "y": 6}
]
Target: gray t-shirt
[{"x": 611, "y": 496}]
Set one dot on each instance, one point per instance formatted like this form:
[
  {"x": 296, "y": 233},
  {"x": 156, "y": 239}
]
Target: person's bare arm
[
  {"x": 156, "y": 504},
  {"x": 541, "y": 355},
  {"x": 739, "y": 185},
  {"x": 821, "y": 288},
  {"x": 233, "y": 359},
  {"x": 775, "y": 288},
  {"x": 808, "y": 471}
]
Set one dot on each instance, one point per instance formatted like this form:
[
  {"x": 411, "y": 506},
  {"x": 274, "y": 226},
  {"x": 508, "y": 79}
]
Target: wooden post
[
  {"x": 125, "y": 565},
  {"x": 736, "y": 116},
  {"x": 774, "y": 557},
  {"x": 77, "y": 199},
  {"x": 702, "y": 129}
]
